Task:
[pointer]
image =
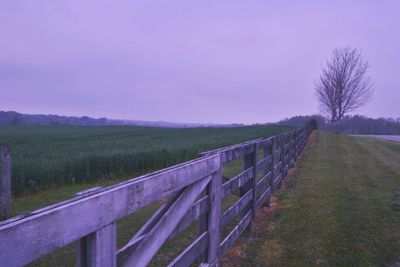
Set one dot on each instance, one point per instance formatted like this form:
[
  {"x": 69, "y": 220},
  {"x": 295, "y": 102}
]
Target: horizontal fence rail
[{"x": 194, "y": 189}]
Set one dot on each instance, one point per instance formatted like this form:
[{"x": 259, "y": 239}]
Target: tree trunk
[{"x": 336, "y": 125}]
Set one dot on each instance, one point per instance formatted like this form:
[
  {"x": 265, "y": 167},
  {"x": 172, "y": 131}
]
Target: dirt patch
[{"x": 237, "y": 253}]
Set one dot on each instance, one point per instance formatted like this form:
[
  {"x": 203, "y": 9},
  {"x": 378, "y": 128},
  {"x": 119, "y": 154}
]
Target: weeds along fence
[{"x": 194, "y": 190}]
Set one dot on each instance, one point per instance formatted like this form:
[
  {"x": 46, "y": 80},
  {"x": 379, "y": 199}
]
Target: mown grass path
[{"x": 341, "y": 209}]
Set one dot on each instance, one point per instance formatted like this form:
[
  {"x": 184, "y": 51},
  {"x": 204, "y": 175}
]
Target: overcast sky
[{"x": 189, "y": 61}]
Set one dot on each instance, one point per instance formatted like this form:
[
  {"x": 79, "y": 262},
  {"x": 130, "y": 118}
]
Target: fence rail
[{"x": 195, "y": 190}]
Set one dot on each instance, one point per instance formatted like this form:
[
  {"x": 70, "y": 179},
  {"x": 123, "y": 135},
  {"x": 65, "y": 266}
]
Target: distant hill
[{"x": 15, "y": 118}]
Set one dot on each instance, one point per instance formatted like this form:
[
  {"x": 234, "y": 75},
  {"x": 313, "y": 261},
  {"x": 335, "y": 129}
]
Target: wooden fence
[{"x": 195, "y": 190}]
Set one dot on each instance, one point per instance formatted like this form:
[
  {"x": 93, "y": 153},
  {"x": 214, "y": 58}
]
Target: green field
[
  {"x": 49, "y": 156},
  {"x": 341, "y": 209}
]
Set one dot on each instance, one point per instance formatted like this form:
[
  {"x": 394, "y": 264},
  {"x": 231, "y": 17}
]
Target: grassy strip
[{"x": 342, "y": 209}]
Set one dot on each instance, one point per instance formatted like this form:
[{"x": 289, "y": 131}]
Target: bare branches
[{"x": 343, "y": 85}]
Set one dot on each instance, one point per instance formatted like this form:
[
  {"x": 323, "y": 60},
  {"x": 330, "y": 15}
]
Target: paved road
[{"x": 395, "y": 138}]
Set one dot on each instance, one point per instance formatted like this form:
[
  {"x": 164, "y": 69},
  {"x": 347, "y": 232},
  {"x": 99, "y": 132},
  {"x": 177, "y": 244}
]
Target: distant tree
[{"x": 343, "y": 85}]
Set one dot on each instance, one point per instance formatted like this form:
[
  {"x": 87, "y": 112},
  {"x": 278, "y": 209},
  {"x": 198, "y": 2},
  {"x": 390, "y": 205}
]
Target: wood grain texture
[
  {"x": 44, "y": 232},
  {"x": 192, "y": 252},
  {"x": 264, "y": 197},
  {"x": 236, "y": 208},
  {"x": 214, "y": 217},
  {"x": 149, "y": 246},
  {"x": 236, "y": 182},
  {"x": 235, "y": 233},
  {"x": 98, "y": 249}
]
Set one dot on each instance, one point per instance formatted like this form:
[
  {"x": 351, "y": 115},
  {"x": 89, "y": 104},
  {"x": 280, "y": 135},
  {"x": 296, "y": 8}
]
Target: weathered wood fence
[{"x": 195, "y": 190}]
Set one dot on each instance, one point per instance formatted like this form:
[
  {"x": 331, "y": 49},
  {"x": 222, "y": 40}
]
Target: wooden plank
[
  {"x": 235, "y": 233},
  {"x": 286, "y": 170},
  {"x": 255, "y": 172},
  {"x": 277, "y": 182},
  {"x": 264, "y": 143},
  {"x": 286, "y": 145},
  {"x": 131, "y": 245},
  {"x": 290, "y": 150},
  {"x": 263, "y": 164},
  {"x": 287, "y": 164},
  {"x": 268, "y": 157},
  {"x": 236, "y": 182},
  {"x": 89, "y": 191},
  {"x": 262, "y": 183},
  {"x": 48, "y": 230},
  {"x": 234, "y": 152},
  {"x": 278, "y": 152},
  {"x": 149, "y": 246},
  {"x": 192, "y": 252},
  {"x": 5, "y": 182},
  {"x": 213, "y": 264},
  {"x": 98, "y": 249},
  {"x": 236, "y": 208},
  {"x": 248, "y": 162},
  {"x": 235, "y": 191},
  {"x": 278, "y": 167},
  {"x": 203, "y": 222},
  {"x": 272, "y": 166},
  {"x": 226, "y": 148},
  {"x": 214, "y": 217},
  {"x": 198, "y": 208},
  {"x": 283, "y": 155},
  {"x": 264, "y": 197}
]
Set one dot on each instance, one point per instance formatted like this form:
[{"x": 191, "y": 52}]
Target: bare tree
[{"x": 344, "y": 84}]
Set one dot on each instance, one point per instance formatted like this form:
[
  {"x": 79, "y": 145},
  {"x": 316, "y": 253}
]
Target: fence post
[
  {"x": 283, "y": 156},
  {"x": 273, "y": 162},
  {"x": 98, "y": 249},
  {"x": 255, "y": 171},
  {"x": 214, "y": 216},
  {"x": 5, "y": 181},
  {"x": 280, "y": 148},
  {"x": 291, "y": 162},
  {"x": 297, "y": 143},
  {"x": 265, "y": 155},
  {"x": 248, "y": 162}
]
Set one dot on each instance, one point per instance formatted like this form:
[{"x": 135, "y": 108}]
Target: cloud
[{"x": 199, "y": 61}]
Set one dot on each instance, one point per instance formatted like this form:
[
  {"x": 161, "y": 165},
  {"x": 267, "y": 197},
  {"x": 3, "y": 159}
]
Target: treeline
[
  {"x": 356, "y": 124},
  {"x": 15, "y": 118}
]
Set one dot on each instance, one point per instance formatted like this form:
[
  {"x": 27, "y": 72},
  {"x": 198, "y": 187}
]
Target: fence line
[{"x": 195, "y": 188}]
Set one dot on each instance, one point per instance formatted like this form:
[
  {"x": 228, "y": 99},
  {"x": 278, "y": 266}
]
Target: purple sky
[{"x": 189, "y": 61}]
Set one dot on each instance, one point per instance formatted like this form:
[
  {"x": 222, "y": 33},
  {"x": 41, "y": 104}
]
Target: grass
[
  {"x": 341, "y": 209},
  {"x": 49, "y": 156}
]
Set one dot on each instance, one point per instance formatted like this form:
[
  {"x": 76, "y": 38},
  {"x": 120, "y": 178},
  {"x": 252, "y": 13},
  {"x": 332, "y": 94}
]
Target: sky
[{"x": 189, "y": 61}]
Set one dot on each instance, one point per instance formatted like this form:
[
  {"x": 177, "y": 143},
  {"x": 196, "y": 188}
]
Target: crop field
[{"x": 48, "y": 156}]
